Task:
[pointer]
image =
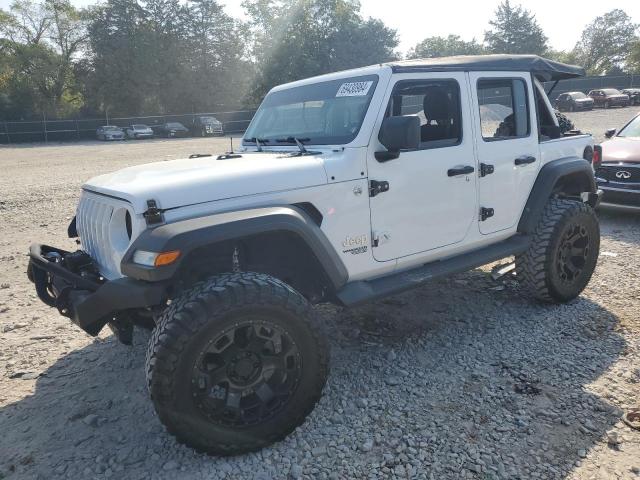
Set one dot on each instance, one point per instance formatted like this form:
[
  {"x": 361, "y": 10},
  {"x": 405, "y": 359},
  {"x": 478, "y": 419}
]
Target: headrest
[{"x": 436, "y": 104}]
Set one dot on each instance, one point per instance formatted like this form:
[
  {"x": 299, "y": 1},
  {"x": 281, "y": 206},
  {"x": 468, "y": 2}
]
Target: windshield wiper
[
  {"x": 296, "y": 140},
  {"x": 257, "y": 141}
]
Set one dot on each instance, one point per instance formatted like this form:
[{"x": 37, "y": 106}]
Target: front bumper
[
  {"x": 89, "y": 303},
  {"x": 618, "y": 195}
]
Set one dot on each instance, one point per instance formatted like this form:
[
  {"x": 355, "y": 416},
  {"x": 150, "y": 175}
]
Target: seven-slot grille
[{"x": 93, "y": 217}]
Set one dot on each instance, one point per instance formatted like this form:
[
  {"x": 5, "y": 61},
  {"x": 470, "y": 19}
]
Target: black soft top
[{"x": 544, "y": 69}]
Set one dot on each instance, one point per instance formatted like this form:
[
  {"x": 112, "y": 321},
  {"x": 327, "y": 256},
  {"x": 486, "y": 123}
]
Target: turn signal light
[
  {"x": 153, "y": 259},
  {"x": 166, "y": 258}
]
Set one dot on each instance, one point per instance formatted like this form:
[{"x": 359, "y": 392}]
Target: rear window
[
  {"x": 611, "y": 91},
  {"x": 504, "y": 112},
  {"x": 578, "y": 95}
]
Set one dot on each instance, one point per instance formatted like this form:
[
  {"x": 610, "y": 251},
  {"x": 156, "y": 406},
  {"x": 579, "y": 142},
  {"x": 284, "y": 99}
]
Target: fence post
[
  {"x": 6, "y": 130},
  {"x": 44, "y": 122}
]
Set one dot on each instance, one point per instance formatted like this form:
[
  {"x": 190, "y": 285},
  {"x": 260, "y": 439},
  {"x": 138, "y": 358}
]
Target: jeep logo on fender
[
  {"x": 354, "y": 241},
  {"x": 355, "y": 245}
]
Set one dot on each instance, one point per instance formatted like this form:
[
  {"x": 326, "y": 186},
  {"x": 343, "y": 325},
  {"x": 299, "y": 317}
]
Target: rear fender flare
[{"x": 551, "y": 175}]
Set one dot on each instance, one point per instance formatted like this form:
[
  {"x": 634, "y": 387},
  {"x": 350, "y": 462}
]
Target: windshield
[
  {"x": 631, "y": 130},
  {"x": 209, "y": 120},
  {"x": 140, "y": 127},
  {"x": 110, "y": 128},
  {"x": 578, "y": 95},
  {"x": 326, "y": 113},
  {"x": 611, "y": 91},
  {"x": 174, "y": 125}
]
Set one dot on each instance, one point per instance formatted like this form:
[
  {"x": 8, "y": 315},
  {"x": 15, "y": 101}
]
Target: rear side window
[
  {"x": 504, "y": 110},
  {"x": 436, "y": 103}
]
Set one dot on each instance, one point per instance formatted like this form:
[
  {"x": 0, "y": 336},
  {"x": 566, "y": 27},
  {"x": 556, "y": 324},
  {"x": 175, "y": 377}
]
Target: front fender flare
[
  {"x": 545, "y": 185},
  {"x": 187, "y": 235}
]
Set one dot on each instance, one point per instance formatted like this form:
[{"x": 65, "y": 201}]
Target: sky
[{"x": 562, "y": 21}]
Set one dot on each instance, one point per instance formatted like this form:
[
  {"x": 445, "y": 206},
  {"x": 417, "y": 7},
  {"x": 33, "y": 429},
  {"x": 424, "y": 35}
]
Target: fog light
[{"x": 154, "y": 259}]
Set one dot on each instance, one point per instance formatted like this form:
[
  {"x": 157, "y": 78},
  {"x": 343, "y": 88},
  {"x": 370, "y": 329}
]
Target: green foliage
[
  {"x": 606, "y": 42},
  {"x": 40, "y": 42},
  {"x": 515, "y": 30},
  {"x": 295, "y": 39},
  {"x": 633, "y": 60},
  {"x": 445, "y": 46}
]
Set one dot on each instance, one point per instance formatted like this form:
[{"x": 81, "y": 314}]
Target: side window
[
  {"x": 504, "y": 110},
  {"x": 436, "y": 103}
]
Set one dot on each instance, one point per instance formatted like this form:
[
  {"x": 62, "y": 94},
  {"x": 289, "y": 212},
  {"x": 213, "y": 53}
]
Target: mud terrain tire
[
  {"x": 563, "y": 253},
  {"x": 234, "y": 364}
]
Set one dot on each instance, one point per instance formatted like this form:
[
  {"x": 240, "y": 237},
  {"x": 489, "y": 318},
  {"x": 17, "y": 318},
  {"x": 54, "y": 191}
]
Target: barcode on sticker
[{"x": 354, "y": 89}]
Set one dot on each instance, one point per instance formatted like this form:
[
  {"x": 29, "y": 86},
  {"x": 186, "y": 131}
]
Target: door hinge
[
  {"x": 485, "y": 213},
  {"x": 376, "y": 187},
  {"x": 486, "y": 169},
  {"x": 153, "y": 215},
  {"x": 380, "y": 238}
]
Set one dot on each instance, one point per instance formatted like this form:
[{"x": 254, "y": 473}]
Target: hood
[
  {"x": 621, "y": 149},
  {"x": 178, "y": 183},
  {"x": 583, "y": 100}
]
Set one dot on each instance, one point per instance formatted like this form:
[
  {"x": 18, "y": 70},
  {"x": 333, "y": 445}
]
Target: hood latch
[{"x": 153, "y": 215}]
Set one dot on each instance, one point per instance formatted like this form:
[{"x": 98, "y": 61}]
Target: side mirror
[
  {"x": 610, "y": 132},
  {"x": 396, "y": 134}
]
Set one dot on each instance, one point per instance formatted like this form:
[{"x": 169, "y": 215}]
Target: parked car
[
  {"x": 322, "y": 206},
  {"x": 172, "y": 129},
  {"x": 633, "y": 94},
  {"x": 609, "y": 97},
  {"x": 572, "y": 101},
  {"x": 109, "y": 132},
  {"x": 618, "y": 169},
  {"x": 139, "y": 131},
  {"x": 206, "y": 126}
]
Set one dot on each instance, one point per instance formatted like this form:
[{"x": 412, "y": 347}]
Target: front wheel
[
  {"x": 563, "y": 252},
  {"x": 234, "y": 364}
]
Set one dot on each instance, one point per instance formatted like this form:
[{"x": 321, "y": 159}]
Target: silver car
[
  {"x": 109, "y": 132},
  {"x": 139, "y": 131}
]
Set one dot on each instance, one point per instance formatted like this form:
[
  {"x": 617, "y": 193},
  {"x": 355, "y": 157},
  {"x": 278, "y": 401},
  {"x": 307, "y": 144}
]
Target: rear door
[{"x": 507, "y": 146}]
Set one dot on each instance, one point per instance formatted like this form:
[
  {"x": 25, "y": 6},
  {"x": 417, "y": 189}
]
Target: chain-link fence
[
  {"x": 234, "y": 122},
  {"x": 585, "y": 84},
  {"x": 47, "y": 130}
]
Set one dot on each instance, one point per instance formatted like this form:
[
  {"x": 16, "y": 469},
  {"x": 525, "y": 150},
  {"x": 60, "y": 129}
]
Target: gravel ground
[{"x": 462, "y": 378}]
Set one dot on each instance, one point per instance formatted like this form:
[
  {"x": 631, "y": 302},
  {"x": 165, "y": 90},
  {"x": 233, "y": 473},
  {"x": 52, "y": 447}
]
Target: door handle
[
  {"x": 466, "y": 170},
  {"x": 523, "y": 160}
]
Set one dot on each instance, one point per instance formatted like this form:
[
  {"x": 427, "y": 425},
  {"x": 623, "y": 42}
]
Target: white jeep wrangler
[{"x": 348, "y": 187}]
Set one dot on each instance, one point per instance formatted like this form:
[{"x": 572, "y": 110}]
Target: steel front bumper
[{"x": 88, "y": 303}]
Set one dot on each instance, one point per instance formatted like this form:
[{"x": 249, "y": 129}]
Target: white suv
[{"x": 348, "y": 187}]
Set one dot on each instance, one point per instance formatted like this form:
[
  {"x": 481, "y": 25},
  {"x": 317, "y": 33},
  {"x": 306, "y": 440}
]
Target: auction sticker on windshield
[{"x": 354, "y": 89}]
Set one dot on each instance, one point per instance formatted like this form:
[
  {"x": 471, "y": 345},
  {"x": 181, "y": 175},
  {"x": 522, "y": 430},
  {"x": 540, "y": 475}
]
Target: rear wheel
[
  {"x": 234, "y": 364},
  {"x": 563, "y": 252}
]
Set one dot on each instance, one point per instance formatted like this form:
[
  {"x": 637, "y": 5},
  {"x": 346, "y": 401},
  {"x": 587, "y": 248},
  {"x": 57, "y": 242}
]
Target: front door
[
  {"x": 507, "y": 146},
  {"x": 432, "y": 200}
]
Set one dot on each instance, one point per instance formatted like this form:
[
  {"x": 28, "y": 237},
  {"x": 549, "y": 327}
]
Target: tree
[
  {"x": 606, "y": 42},
  {"x": 43, "y": 41},
  {"x": 633, "y": 60},
  {"x": 515, "y": 30},
  {"x": 294, "y": 39},
  {"x": 445, "y": 46}
]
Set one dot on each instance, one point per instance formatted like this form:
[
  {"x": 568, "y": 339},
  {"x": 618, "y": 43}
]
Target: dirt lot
[{"x": 459, "y": 379}]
